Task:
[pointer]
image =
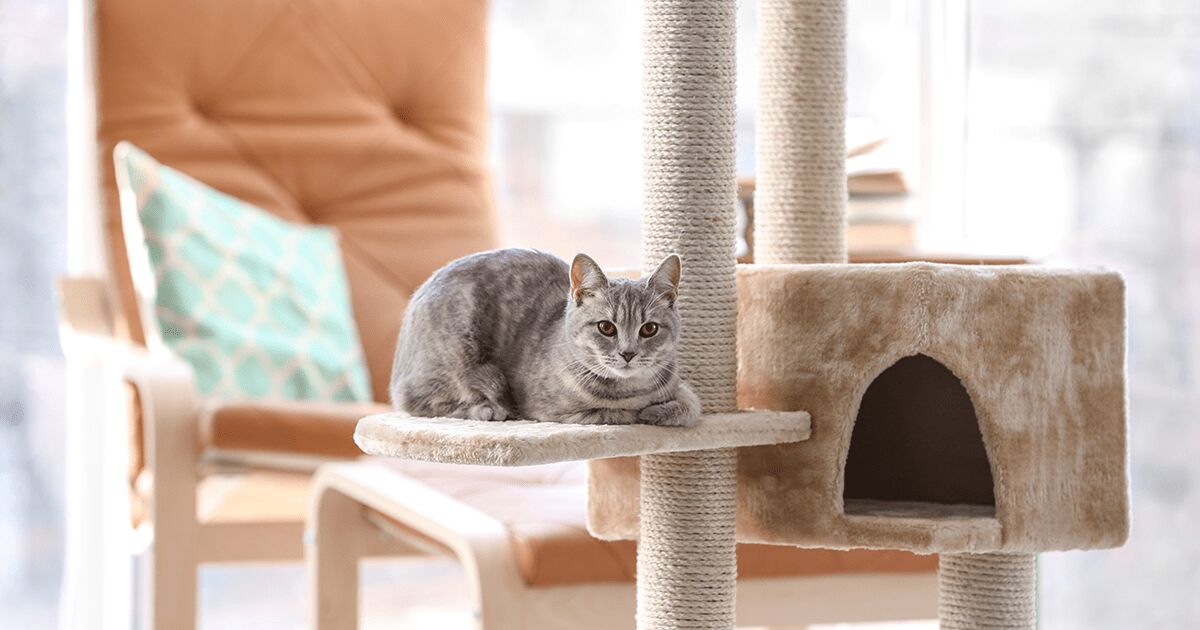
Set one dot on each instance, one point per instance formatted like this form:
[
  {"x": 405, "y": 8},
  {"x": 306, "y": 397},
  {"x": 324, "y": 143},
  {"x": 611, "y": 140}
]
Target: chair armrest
[
  {"x": 170, "y": 406},
  {"x": 165, "y": 383},
  {"x": 165, "y": 388},
  {"x": 84, "y": 313}
]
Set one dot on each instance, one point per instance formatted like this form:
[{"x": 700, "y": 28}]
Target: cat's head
[{"x": 623, "y": 328}]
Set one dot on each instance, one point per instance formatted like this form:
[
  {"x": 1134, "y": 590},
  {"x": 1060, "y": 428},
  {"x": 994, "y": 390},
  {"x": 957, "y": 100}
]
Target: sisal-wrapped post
[
  {"x": 987, "y": 591},
  {"x": 687, "y": 568},
  {"x": 800, "y": 193}
]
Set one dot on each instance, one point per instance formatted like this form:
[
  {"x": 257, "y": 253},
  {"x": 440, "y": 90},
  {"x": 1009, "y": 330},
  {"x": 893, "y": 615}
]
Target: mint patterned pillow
[{"x": 258, "y": 306}]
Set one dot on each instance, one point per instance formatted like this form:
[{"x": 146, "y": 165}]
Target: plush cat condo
[{"x": 975, "y": 412}]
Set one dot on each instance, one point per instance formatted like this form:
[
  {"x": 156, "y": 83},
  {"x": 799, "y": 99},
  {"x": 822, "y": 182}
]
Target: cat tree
[{"x": 974, "y": 412}]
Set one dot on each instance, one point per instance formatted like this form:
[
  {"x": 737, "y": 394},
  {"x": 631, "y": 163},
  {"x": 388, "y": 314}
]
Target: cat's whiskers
[
  {"x": 578, "y": 376},
  {"x": 662, "y": 377}
]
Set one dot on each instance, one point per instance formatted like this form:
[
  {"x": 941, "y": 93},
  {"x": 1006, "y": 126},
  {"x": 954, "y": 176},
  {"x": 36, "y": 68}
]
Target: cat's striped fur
[{"x": 517, "y": 333}]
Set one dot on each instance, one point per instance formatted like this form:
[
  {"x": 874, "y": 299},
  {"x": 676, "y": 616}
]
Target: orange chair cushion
[{"x": 367, "y": 116}]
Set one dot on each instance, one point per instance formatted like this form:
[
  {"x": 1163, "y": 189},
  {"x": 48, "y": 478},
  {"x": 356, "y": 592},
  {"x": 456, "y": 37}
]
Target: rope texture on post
[
  {"x": 687, "y": 555},
  {"x": 800, "y": 192},
  {"x": 687, "y": 567},
  {"x": 987, "y": 591}
]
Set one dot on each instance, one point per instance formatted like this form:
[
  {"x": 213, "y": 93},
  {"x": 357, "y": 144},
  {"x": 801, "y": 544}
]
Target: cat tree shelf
[{"x": 525, "y": 443}]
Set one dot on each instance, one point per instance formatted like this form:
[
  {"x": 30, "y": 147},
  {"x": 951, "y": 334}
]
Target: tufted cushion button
[{"x": 396, "y": 111}]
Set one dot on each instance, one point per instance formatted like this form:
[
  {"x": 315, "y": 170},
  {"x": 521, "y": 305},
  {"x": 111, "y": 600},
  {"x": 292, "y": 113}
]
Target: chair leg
[
  {"x": 173, "y": 577},
  {"x": 335, "y": 546}
]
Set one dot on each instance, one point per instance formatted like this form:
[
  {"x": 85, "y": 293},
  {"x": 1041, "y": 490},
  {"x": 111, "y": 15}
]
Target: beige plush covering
[
  {"x": 1039, "y": 351},
  {"x": 526, "y": 443}
]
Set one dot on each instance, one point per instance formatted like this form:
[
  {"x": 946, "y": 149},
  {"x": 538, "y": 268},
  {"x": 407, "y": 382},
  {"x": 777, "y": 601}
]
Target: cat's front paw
[
  {"x": 488, "y": 411},
  {"x": 670, "y": 414}
]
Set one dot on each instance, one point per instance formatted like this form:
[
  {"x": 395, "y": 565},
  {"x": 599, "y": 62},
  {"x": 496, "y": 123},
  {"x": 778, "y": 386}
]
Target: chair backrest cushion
[{"x": 368, "y": 116}]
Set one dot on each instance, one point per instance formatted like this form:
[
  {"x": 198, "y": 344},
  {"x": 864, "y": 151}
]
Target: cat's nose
[{"x": 628, "y": 356}]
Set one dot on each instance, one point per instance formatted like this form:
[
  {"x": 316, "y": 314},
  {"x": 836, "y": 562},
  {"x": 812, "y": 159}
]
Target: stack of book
[{"x": 881, "y": 215}]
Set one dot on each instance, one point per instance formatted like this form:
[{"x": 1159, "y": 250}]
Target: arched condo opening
[{"x": 917, "y": 446}]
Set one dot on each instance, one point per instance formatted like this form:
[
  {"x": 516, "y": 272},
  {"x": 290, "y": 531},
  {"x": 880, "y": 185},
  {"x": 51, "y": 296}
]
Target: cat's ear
[
  {"x": 586, "y": 276},
  {"x": 666, "y": 277}
]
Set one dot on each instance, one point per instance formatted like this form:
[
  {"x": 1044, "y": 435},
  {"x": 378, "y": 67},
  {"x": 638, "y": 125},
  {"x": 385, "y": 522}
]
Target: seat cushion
[
  {"x": 294, "y": 427},
  {"x": 255, "y": 496},
  {"x": 544, "y": 510}
]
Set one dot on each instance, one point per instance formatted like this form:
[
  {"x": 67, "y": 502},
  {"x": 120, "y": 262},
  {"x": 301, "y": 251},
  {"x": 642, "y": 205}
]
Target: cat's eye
[
  {"x": 649, "y": 329},
  {"x": 606, "y": 328}
]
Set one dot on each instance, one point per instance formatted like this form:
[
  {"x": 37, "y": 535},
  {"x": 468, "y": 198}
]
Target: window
[
  {"x": 1083, "y": 144},
  {"x": 33, "y": 204},
  {"x": 565, "y": 96}
]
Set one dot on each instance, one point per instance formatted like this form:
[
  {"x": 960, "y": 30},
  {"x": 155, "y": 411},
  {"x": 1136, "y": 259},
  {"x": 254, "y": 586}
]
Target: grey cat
[{"x": 516, "y": 333}]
